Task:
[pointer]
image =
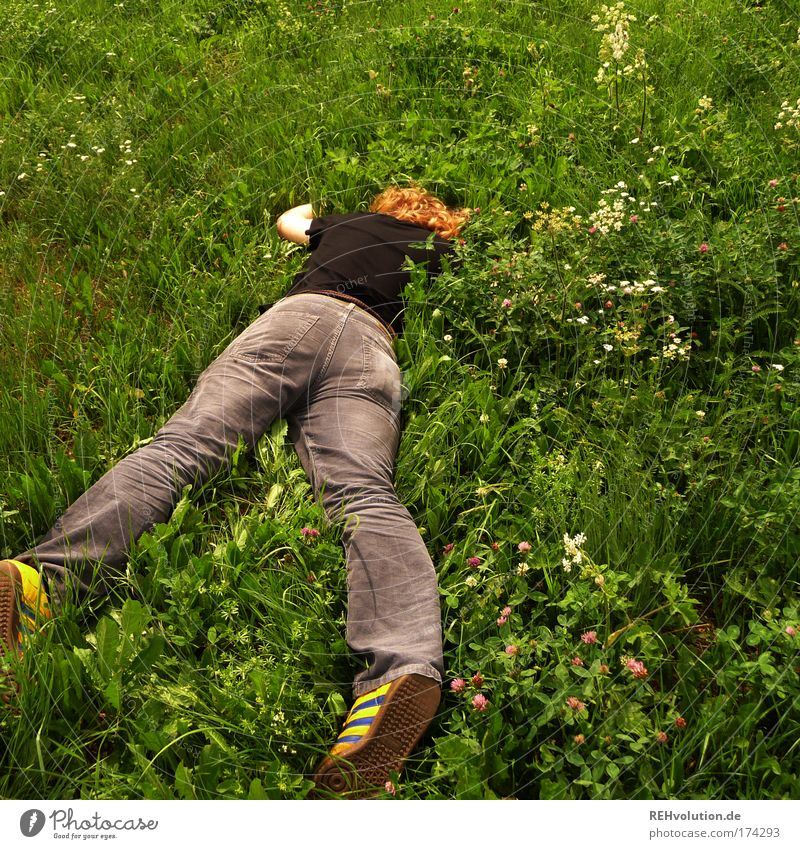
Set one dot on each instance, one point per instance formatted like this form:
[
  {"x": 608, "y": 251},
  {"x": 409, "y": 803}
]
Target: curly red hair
[{"x": 419, "y": 206}]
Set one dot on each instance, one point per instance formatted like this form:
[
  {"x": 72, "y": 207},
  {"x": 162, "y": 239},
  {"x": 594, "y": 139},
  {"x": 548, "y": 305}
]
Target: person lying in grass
[{"x": 322, "y": 357}]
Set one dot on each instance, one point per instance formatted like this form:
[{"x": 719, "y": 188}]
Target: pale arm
[{"x": 292, "y": 225}]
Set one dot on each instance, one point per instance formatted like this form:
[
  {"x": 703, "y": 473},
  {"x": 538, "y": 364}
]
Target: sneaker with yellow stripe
[
  {"x": 382, "y": 729},
  {"x": 23, "y": 604},
  {"x": 360, "y": 719}
]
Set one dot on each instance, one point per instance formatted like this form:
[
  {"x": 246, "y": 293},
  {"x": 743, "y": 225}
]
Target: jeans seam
[{"x": 332, "y": 347}]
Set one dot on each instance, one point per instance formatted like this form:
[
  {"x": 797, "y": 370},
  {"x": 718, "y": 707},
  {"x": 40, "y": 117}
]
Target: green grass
[{"x": 130, "y": 260}]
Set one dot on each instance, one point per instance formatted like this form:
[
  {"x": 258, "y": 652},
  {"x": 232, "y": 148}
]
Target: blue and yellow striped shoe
[
  {"x": 23, "y": 604},
  {"x": 380, "y": 732}
]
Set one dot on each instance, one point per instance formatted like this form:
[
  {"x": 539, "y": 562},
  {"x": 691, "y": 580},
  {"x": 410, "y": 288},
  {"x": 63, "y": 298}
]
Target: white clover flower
[
  {"x": 700, "y": 414},
  {"x": 608, "y": 347},
  {"x": 483, "y": 418},
  {"x": 502, "y": 362},
  {"x": 584, "y": 319},
  {"x": 776, "y": 366},
  {"x": 674, "y": 178},
  {"x": 447, "y": 337}
]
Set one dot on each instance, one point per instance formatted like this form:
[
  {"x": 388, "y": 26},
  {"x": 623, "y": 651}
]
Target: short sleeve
[{"x": 315, "y": 231}]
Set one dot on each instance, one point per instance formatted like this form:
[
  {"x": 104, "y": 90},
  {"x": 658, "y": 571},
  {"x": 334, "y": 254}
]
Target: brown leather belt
[{"x": 342, "y": 297}]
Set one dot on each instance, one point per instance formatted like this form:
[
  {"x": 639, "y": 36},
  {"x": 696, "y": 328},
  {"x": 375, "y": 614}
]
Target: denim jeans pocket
[
  {"x": 273, "y": 337},
  {"x": 380, "y": 375}
]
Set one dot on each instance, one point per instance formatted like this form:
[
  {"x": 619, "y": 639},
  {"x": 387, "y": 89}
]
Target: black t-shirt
[{"x": 362, "y": 254}]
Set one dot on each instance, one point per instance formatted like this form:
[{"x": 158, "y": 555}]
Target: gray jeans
[{"x": 327, "y": 367}]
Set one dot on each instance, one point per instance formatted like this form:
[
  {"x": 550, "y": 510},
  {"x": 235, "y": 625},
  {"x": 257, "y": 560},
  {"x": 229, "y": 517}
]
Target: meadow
[{"x": 601, "y": 428}]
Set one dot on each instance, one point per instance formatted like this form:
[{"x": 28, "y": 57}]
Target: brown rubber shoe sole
[
  {"x": 362, "y": 770},
  {"x": 10, "y": 582}
]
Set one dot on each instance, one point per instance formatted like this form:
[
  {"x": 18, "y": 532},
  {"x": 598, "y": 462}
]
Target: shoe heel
[{"x": 362, "y": 771}]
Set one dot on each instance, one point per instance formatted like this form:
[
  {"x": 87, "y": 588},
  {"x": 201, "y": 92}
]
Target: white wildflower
[
  {"x": 789, "y": 116},
  {"x": 613, "y": 24},
  {"x": 572, "y": 548}
]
